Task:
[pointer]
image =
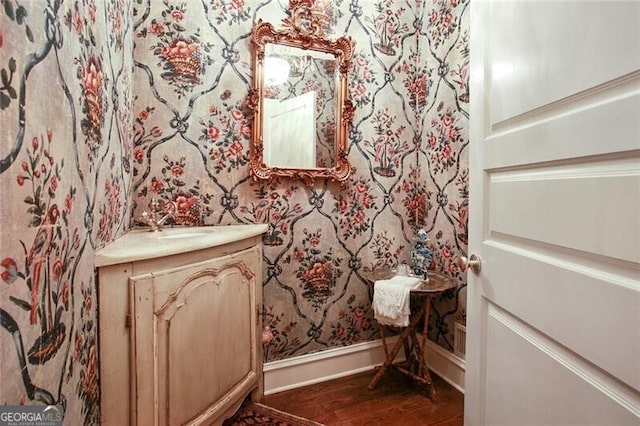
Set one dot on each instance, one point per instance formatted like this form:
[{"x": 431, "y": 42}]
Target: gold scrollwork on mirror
[{"x": 300, "y": 104}]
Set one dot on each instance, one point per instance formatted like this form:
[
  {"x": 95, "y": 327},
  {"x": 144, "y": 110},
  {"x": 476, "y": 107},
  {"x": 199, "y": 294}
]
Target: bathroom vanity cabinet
[{"x": 179, "y": 324}]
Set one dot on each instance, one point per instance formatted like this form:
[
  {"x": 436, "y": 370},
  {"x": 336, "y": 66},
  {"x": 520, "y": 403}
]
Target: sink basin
[{"x": 140, "y": 244}]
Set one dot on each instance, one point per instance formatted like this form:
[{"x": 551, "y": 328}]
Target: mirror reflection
[{"x": 299, "y": 111}]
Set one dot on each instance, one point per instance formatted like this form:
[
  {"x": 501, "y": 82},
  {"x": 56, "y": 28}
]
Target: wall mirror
[{"x": 301, "y": 110}]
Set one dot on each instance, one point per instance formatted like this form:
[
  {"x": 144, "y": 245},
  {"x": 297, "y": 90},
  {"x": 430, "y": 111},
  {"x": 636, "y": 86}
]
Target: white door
[
  {"x": 554, "y": 314},
  {"x": 290, "y": 128}
]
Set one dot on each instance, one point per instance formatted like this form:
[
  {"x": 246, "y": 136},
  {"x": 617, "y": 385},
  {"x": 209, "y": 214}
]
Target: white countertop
[{"x": 140, "y": 244}]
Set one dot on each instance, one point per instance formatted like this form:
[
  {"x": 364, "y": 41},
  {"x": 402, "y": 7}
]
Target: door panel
[
  {"x": 584, "y": 198},
  {"x": 571, "y": 302},
  {"x": 194, "y": 339},
  {"x": 563, "y": 395},
  {"x": 290, "y": 129},
  {"x": 553, "y": 319},
  {"x": 203, "y": 326},
  {"x": 570, "y": 129},
  {"x": 546, "y": 51}
]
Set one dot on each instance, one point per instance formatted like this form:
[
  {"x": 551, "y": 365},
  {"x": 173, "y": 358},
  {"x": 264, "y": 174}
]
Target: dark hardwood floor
[{"x": 396, "y": 400}]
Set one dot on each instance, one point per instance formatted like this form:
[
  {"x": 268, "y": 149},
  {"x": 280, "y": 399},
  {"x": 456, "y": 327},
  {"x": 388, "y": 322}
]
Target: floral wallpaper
[
  {"x": 65, "y": 169},
  {"x": 407, "y": 143},
  {"x": 106, "y": 104}
]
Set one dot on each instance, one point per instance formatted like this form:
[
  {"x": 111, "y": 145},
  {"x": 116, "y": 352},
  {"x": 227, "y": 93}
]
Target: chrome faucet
[{"x": 156, "y": 217}]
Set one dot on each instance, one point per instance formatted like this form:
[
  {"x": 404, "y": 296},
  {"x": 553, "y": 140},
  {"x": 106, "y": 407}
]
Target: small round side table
[{"x": 416, "y": 367}]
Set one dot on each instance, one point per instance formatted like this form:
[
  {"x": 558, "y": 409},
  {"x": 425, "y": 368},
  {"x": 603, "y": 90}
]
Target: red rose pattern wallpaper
[
  {"x": 106, "y": 104},
  {"x": 66, "y": 75}
]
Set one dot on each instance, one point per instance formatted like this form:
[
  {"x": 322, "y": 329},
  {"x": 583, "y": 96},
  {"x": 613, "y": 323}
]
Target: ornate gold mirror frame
[{"x": 264, "y": 34}]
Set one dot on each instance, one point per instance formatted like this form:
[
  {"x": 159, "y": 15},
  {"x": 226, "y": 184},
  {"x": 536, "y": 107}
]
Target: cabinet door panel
[{"x": 195, "y": 330}]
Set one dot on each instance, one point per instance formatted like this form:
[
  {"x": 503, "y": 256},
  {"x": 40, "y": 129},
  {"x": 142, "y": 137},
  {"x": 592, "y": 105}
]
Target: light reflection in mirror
[{"x": 276, "y": 70}]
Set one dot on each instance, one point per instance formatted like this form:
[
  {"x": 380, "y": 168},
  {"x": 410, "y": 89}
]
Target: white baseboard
[
  {"x": 446, "y": 365},
  {"x": 333, "y": 363},
  {"x": 292, "y": 373}
]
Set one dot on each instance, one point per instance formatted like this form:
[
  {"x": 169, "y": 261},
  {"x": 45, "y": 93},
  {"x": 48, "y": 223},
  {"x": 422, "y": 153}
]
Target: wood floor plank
[{"x": 396, "y": 400}]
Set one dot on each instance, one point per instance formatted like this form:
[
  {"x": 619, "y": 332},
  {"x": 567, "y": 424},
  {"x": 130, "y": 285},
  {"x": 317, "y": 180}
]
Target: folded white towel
[{"x": 391, "y": 300}]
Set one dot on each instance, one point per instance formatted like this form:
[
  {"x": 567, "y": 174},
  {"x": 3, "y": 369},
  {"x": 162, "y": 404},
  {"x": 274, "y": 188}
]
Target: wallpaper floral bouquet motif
[
  {"x": 407, "y": 143},
  {"x": 105, "y": 104},
  {"x": 65, "y": 113}
]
